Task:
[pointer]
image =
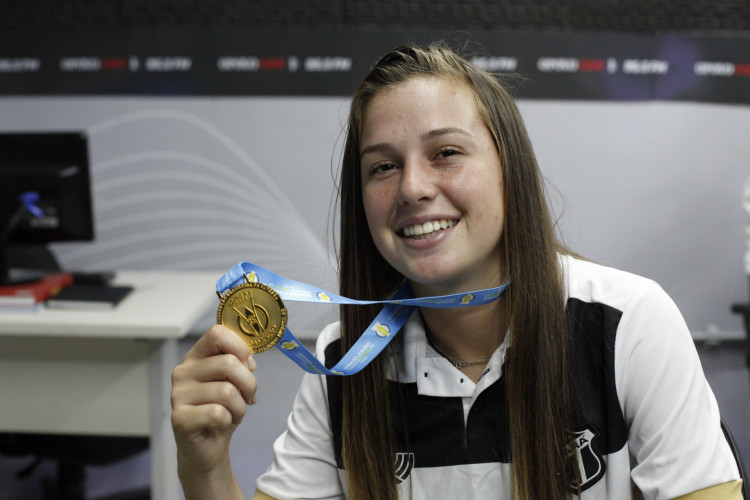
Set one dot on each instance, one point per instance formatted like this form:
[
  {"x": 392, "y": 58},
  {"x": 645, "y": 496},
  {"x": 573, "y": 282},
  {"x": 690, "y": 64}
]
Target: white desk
[{"x": 104, "y": 372}]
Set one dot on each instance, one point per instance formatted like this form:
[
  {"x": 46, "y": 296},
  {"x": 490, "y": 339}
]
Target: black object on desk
[
  {"x": 89, "y": 297},
  {"x": 100, "y": 278}
]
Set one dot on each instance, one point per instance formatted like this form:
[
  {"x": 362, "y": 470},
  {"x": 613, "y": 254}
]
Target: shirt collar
[{"x": 434, "y": 375}]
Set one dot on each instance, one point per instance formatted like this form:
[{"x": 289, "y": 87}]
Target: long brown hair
[{"x": 538, "y": 398}]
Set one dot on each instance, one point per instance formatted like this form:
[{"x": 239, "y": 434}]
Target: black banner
[{"x": 594, "y": 66}]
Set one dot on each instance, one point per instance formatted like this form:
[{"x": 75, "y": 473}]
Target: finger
[
  {"x": 222, "y": 393},
  {"x": 190, "y": 420},
  {"x": 221, "y": 340},
  {"x": 220, "y": 368}
]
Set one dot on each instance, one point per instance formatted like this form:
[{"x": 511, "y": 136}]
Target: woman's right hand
[{"x": 211, "y": 389}]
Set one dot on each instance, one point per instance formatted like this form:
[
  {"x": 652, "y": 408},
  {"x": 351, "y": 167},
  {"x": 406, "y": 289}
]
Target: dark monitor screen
[{"x": 56, "y": 166}]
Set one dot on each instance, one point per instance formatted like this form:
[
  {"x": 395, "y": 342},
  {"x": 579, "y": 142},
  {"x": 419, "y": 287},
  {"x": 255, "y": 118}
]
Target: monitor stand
[{"x": 20, "y": 264}]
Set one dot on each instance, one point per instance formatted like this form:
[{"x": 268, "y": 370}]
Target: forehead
[{"x": 426, "y": 99}]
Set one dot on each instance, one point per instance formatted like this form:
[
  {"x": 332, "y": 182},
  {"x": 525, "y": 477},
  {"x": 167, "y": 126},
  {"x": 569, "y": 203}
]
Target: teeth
[{"x": 426, "y": 229}]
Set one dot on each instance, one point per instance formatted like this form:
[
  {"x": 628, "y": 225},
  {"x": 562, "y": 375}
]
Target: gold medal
[{"x": 255, "y": 312}]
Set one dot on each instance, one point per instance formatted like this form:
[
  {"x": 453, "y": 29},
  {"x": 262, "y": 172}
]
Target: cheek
[
  {"x": 377, "y": 218},
  {"x": 368, "y": 203},
  {"x": 375, "y": 214},
  {"x": 376, "y": 203},
  {"x": 484, "y": 197}
]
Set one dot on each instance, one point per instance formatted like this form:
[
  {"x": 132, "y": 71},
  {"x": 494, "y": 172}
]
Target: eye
[
  {"x": 446, "y": 152},
  {"x": 382, "y": 167}
]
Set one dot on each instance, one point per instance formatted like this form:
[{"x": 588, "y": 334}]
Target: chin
[{"x": 432, "y": 280}]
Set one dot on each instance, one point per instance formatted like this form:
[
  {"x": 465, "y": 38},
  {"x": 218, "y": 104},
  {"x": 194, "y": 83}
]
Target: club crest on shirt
[
  {"x": 590, "y": 463},
  {"x": 404, "y": 465}
]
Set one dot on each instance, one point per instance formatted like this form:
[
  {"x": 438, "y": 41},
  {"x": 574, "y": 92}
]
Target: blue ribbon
[{"x": 378, "y": 334}]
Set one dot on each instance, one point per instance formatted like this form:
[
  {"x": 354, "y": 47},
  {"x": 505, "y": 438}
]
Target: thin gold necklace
[{"x": 455, "y": 362}]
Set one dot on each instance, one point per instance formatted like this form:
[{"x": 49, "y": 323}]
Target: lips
[{"x": 427, "y": 229}]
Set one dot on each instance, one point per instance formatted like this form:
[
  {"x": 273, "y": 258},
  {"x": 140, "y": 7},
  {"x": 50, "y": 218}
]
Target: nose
[{"x": 417, "y": 184}]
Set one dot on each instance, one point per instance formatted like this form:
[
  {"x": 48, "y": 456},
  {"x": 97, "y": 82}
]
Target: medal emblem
[{"x": 255, "y": 312}]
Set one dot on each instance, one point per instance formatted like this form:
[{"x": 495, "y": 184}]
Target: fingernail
[{"x": 251, "y": 364}]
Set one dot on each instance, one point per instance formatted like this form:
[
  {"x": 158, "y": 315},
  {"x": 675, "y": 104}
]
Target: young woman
[{"x": 579, "y": 381}]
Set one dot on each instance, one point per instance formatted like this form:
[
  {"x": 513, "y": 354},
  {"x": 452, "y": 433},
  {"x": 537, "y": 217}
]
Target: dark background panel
[{"x": 577, "y": 49}]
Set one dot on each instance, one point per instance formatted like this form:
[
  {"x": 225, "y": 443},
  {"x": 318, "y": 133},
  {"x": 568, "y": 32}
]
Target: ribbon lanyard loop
[{"x": 374, "y": 339}]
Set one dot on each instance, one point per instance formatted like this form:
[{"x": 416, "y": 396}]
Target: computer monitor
[{"x": 56, "y": 166}]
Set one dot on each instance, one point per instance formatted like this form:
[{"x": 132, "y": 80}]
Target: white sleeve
[
  {"x": 675, "y": 436},
  {"x": 304, "y": 465}
]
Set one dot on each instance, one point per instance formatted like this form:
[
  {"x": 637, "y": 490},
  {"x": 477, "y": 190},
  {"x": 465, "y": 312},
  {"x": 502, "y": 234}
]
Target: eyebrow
[
  {"x": 384, "y": 146},
  {"x": 443, "y": 131},
  {"x": 375, "y": 148}
]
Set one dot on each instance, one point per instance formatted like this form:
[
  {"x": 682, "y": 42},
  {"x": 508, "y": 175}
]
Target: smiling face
[{"x": 432, "y": 185}]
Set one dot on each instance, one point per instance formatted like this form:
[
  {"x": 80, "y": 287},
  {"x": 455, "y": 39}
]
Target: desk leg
[{"x": 164, "y": 481}]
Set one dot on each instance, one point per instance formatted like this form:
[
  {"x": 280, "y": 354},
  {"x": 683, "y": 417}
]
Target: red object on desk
[{"x": 35, "y": 292}]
